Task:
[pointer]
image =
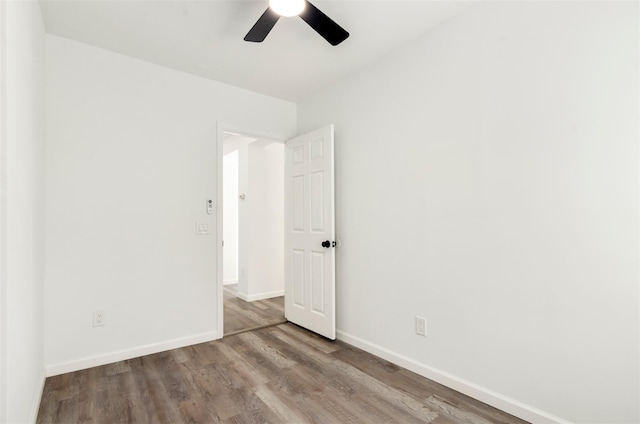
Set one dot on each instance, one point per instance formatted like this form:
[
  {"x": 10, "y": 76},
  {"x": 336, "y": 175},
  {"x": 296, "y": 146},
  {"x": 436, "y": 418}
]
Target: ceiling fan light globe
[{"x": 287, "y": 7}]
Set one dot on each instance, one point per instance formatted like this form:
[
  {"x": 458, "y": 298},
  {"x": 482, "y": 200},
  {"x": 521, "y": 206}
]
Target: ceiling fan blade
[
  {"x": 261, "y": 29},
  {"x": 324, "y": 25}
]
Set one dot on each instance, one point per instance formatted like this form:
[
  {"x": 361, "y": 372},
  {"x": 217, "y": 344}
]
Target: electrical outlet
[
  {"x": 421, "y": 326},
  {"x": 99, "y": 319}
]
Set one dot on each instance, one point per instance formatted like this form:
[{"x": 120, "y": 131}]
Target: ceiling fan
[{"x": 321, "y": 23}]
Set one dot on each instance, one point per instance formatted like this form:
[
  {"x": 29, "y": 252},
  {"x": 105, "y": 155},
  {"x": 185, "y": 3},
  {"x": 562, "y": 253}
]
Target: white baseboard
[
  {"x": 121, "y": 355},
  {"x": 260, "y": 296},
  {"x": 38, "y": 398},
  {"x": 497, "y": 400},
  {"x": 229, "y": 282}
]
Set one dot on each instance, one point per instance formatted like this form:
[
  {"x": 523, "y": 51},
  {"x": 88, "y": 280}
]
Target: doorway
[
  {"x": 304, "y": 253},
  {"x": 253, "y": 232}
]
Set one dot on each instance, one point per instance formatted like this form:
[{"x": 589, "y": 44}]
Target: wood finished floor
[
  {"x": 241, "y": 316},
  {"x": 280, "y": 374}
]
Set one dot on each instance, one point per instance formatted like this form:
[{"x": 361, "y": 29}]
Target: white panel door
[{"x": 310, "y": 295}]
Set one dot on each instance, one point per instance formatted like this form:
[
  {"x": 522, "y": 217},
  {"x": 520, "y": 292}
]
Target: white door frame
[
  {"x": 223, "y": 127},
  {"x": 3, "y": 216}
]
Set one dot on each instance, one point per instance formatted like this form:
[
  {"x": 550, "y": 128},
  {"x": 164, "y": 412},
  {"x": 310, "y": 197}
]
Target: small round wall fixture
[{"x": 287, "y": 7}]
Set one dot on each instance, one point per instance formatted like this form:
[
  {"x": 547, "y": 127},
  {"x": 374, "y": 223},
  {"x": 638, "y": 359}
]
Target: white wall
[
  {"x": 230, "y": 220},
  {"x": 261, "y": 222},
  {"x": 239, "y": 144},
  {"x": 22, "y": 211},
  {"x": 130, "y": 162},
  {"x": 487, "y": 179},
  {"x": 265, "y": 221},
  {"x": 243, "y": 218}
]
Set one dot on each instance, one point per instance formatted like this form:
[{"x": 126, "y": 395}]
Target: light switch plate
[{"x": 202, "y": 229}]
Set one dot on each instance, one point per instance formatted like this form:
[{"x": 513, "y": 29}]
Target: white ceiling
[{"x": 206, "y": 37}]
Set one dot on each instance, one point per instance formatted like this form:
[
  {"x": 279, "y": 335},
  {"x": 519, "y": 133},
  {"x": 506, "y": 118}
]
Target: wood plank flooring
[
  {"x": 281, "y": 374},
  {"x": 242, "y": 316}
]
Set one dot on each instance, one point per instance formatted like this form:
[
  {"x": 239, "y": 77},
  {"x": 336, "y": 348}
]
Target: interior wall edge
[
  {"x": 121, "y": 355},
  {"x": 497, "y": 400},
  {"x": 38, "y": 397}
]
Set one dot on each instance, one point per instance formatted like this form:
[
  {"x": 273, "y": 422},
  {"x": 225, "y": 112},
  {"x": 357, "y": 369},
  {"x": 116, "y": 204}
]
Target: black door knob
[{"x": 326, "y": 243}]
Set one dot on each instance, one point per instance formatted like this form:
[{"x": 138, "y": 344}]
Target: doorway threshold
[{"x": 259, "y": 327}]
